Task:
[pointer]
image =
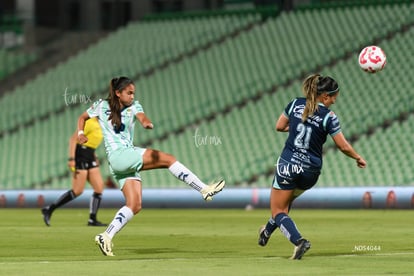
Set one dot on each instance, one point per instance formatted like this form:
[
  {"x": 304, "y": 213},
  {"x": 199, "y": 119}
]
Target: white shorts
[{"x": 126, "y": 164}]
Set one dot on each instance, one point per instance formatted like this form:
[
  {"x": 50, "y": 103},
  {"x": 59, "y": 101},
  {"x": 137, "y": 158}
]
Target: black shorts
[
  {"x": 289, "y": 176},
  {"x": 85, "y": 158}
]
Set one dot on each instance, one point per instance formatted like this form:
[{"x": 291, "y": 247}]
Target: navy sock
[
  {"x": 271, "y": 226},
  {"x": 288, "y": 227}
]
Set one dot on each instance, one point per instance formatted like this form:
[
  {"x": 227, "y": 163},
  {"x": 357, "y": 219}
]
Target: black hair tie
[{"x": 115, "y": 82}]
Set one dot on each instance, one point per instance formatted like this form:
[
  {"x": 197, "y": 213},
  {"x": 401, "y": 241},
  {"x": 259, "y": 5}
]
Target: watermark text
[
  {"x": 75, "y": 98},
  {"x": 206, "y": 140},
  {"x": 366, "y": 248}
]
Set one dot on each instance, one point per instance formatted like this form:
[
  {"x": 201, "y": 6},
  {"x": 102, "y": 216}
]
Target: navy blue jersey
[{"x": 305, "y": 141}]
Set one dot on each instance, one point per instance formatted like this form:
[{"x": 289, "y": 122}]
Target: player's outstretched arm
[
  {"x": 344, "y": 146},
  {"x": 144, "y": 120}
]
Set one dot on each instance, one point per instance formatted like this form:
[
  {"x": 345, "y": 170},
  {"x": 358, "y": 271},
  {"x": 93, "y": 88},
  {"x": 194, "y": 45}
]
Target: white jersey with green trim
[{"x": 115, "y": 140}]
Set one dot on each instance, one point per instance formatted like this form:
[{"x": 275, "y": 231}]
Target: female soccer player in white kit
[{"x": 117, "y": 116}]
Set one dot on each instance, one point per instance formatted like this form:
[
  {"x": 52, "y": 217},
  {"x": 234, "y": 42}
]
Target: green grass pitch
[{"x": 207, "y": 242}]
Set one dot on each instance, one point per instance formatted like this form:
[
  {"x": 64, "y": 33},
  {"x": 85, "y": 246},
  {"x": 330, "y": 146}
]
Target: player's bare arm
[
  {"x": 144, "y": 120},
  {"x": 282, "y": 123},
  {"x": 344, "y": 146}
]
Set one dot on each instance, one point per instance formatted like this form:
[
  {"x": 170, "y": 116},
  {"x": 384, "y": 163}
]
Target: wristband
[
  {"x": 71, "y": 159},
  {"x": 80, "y": 132}
]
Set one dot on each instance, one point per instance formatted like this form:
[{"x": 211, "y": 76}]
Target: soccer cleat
[
  {"x": 263, "y": 238},
  {"x": 105, "y": 244},
  {"x": 96, "y": 223},
  {"x": 212, "y": 189},
  {"x": 300, "y": 249},
  {"x": 46, "y": 215}
]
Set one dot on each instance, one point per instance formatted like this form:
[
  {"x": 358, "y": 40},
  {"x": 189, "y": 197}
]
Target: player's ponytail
[
  {"x": 312, "y": 87},
  {"x": 116, "y": 84},
  {"x": 310, "y": 90}
]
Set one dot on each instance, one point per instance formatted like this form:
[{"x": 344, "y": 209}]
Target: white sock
[
  {"x": 120, "y": 220},
  {"x": 181, "y": 172}
]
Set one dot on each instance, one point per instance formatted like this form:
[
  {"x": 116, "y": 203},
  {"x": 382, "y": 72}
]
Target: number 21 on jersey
[{"x": 303, "y": 137}]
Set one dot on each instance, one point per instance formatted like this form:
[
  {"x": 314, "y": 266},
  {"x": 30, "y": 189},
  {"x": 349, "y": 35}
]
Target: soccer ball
[{"x": 372, "y": 59}]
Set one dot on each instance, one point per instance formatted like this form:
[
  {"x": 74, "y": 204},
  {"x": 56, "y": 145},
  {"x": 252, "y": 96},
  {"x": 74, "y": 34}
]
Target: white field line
[{"x": 106, "y": 259}]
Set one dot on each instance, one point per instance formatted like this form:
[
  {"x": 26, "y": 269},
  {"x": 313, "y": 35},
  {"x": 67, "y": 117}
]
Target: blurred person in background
[{"x": 84, "y": 166}]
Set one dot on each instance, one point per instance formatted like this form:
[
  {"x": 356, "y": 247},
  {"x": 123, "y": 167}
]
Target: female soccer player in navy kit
[
  {"x": 117, "y": 116},
  {"x": 309, "y": 121}
]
